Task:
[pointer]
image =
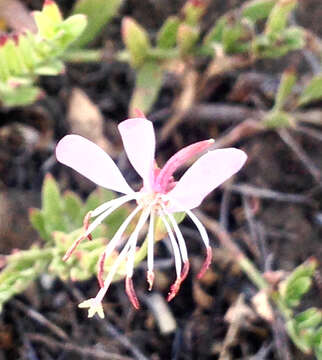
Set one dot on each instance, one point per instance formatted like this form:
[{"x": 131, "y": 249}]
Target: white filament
[
  {"x": 181, "y": 241},
  {"x": 175, "y": 247},
  {"x": 133, "y": 240},
  {"x": 151, "y": 242},
  {"x": 111, "y": 203},
  {"x": 195, "y": 220}
]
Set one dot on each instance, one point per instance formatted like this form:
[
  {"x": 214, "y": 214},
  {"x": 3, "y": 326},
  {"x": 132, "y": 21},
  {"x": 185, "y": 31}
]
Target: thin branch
[
  {"x": 82, "y": 350},
  {"x": 302, "y": 156},
  {"x": 251, "y": 190}
]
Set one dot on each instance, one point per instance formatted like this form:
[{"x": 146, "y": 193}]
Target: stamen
[
  {"x": 129, "y": 289},
  {"x": 203, "y": 234},
  {"x": 131, "y": 257},
  {"x": 174, "y": 289},
  {"x": 100, "y": 295},
  {"x": 185, "y": 271},
  {"x": 150, "y": 278},
  {"x": 86, "y": 224},
  {"x": 206, "y": 263},
  {"x": 117, "y": 236},
  {"x": 150, "y": 273},
  {"x": 73, "y": 247},
  {"x": 177, "y": 160},
  {"x": 181, "y": 241},
  {"x": 100, "y": 209},
  {"x": 175, "y": 247},
  {"x": 100, "y": 271},
  {"x": 117, "y": 203}
]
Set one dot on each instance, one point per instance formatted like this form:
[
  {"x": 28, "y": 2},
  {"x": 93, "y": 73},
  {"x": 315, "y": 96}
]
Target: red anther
[
  {"x": 185, "y": 270},
  {"x": 73, "y": 247},
  {"x": 175, "y": 287},
  {"x": 139, "y": 113},
  {"x": 206, "y": 263},
  {"x": 150, "y": 279},
  {"x": 100, "y": 272},
  {"x": 129, "y": 289},
  {"x": 3, "y": 39},
  {"x": 15, "y": 38},
  {"x": 86, "y": 224}
]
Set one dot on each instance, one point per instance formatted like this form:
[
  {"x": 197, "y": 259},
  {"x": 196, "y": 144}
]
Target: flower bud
[{"x": 136, "y": 41}]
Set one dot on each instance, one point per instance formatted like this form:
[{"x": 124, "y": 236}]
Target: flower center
[{"x": 153, "y": 199}]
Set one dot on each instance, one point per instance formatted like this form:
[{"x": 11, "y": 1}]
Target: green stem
[
  {"x": 254, "y": 275},
  {"x": 83, "y": 56}
]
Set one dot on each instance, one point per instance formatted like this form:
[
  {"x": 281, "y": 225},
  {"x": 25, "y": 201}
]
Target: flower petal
[
  {"x": 139, "y": 143},
  {"x": 92, "y": 162},
  {"x": 208, "y": 172}
]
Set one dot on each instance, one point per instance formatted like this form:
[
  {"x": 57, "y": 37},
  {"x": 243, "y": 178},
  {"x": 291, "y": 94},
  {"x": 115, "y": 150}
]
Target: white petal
[
  {"x": 139, "y": 143},
  {"x": 208, "y": 172},
  {"x": 92, "y": 162}
]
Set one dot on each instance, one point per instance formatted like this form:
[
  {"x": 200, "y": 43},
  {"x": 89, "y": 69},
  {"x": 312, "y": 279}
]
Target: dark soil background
[{"x": 277, "y": 232}]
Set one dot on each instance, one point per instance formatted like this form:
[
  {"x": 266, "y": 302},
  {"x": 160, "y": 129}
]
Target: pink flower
[{"x": 160, "y": 196}]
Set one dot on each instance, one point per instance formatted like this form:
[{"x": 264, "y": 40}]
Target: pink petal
[
  {"x": 208, "y": 172},
  {"x": 139, "y": 143},
  {"x": 92, "y": 162}
]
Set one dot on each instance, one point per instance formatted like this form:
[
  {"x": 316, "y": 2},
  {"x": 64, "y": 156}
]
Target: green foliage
[
  {"x": 313, "y": 91},
  {"x": 99, "y": 13},
  {"x": 257, "y": 9},
  {"x": 278, "y": 119},
  {"x": 298, "y": 283},
  {"x": 278, "y": 17},
  {"x": 305, "y": 328},
  {"x": 136, "y": 41},
  {"x": 287, "y": 83},
  {"x": 59, "y": 224},
  {"x": 147, "y": 85},
  {"x": 167, "y": 35},
  {"x": 26, "y": 55}
]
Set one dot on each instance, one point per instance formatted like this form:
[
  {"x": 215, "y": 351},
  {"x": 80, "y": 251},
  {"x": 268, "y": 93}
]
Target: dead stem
[
  {"x": 83, "y": 351},
  {"x": 250, "y": 190},
  {"x": 302, "y": 156},
  {"x": 35, "y": 315}
]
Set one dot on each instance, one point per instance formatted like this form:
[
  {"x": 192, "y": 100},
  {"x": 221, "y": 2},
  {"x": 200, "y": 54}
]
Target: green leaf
[
  {"x": 147, "y": 86},
  {"x": 70, "y": 29},
  {"x": 287, "y": 83},
  {"x": 99, "y": 13},
  {"x": 309, "y": 318},
  {"x": 19, "y": 96},
  {"x": 312, "y": 92},
  {"x": 73, "y": 209},
  {"x": 52, "y": 12},
  {"x": 38, "y": 222},
  {"x": 215, "y": 34},
  {"x": 278, "y": 120},
  {"x": 52, "y": 206},
  {"x": 257, "y": 9},
  {"x": 136, "y": 41},
  {"x": 299, "y": 340},
  {"x": 193, "y": 12},
  {"x": 279, "y": 15},
  {"x": 298, "y": 283},
  {"x": 187, "y": 37},
  {"x": 54, "y": 67},
  {"x": 167, "y": 35}
]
